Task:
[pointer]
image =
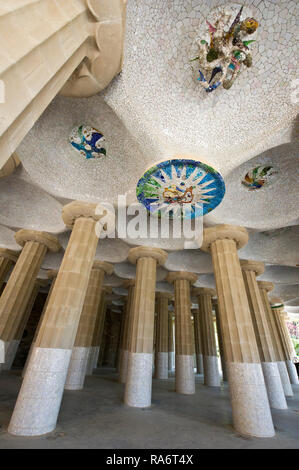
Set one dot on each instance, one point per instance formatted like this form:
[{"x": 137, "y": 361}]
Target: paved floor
[{"x": 96, "y": 418}]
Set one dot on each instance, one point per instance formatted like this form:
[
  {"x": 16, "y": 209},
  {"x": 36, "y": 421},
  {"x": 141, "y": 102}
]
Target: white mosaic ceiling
[{"x": 155, "y": 110}]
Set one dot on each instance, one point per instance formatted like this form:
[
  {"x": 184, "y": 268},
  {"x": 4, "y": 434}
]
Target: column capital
[
  {"x": 44, "y": 238},
  {"x": 276, "y": 302},
  {"x": 103, "y": 266},
  {"x": 9, "y": 254},
  {"x": 164, "y": 295},
  {"x": 42, "y": 282},
  {"x": 203, "y": 291},
  {"x": 107, "y": 289},
  {"x": 181, "y": 276},
  {"x": 220, "y": 232},
  {"x": 250, "y": 265},
  {"x": 76, "y": 209},
  {"x": 147, "y": 252},
  {"x": 52, "y": 273},
  {"x": 266, "y": 285},
  {"x": 128, "y": 283}
]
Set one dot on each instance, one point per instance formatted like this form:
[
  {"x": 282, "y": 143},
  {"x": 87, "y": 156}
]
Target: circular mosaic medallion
[
  {"x": 88, "y": 141},
  {"x": 180, "y": 188},
  {"x": 259, "y": 177}
]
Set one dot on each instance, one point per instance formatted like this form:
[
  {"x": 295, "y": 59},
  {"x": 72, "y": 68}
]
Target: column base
[
  {"x": 138, "y": 390},
  {"x": 184, "y": 374},
  {"x": 292, "y": 372},
  {"x": 90, "y": 361},
  {"x": 96, "y": 357},
  {"x": 39, "y": 399},
  {"x": 123, "y": 370},
  {"x": 211, "y": 371},
  {"x": 250, "y": 405},
  {"x": 161, "y": 371},
  {"x": 199, "y": 363},
  {"x": 171, "y": 360},
  {"x": 10, "y": 354},
  {"x": 77, "y": 369},
  {"x": 285, "y": 380},
  {"x": 274, "y": 386}
]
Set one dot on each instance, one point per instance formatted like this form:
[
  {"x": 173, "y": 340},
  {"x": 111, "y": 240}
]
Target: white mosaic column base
[
  {"x": 184, "y": 374},
  {"x": 138, "y": 389},
  {"x": 5, "y": 347},
  {"x": 171, "y": 360},
  {"x": 285, "y": 379},
  {"x": 161, "y": 371},
  {"x": 111, "y": 358},
  {"x": 123, "y": 369},
  {"x": 199, "y": 363},
  {"x": 96, "y": 357},
  {"x": 10, "y": 354},
  {"x": 39, "y": 399},
  {"x": 292, "y": 372},
  {"x": 250, "y": 404},
  {"x": 77, "y": 369},
  {"x": 274, "y": 386},
  {"x": 90, "y": 361},
  {"x": 211, "y": 371}
]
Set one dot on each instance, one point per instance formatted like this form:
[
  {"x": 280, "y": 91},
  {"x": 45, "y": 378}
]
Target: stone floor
[{"x": 96, "y": 418}]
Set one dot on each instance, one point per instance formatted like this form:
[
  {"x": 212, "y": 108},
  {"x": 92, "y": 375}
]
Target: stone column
[
  {"x": 138, "y": 388},
  {"x": 220, "y": 339},
  {"x": 250, "y": 404},
  {"x": 161, "y": 352},
  {"x": 171, "y": 355},
  {"x": 121, "y": 336},
  {"x": 20, "y": 285},
  {"x": 184, "y": 354},
  {"x": 114, "y": 332},
  {"x": 83, "y": 342},
  {"x": 277, "y": 311},
  {"x": 40, "y": 396},
  {"x": 7, "y": 259},
  {"x": 209, "y": 350},
  {"x": 97, "y": 339},
  {"x": 266, "y": 287},
  {"x": 292, "y": 353},
  {"x": 52, "y": 274},
  {"x": 123, "y": 367},
  {"x": 197, "y": 341},
  {"x": 276, "y": 396}
]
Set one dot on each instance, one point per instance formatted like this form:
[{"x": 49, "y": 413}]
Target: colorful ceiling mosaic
[
  {"x": 259, "y": 177},
  {"x": 180, "y": 188},
  {"x": 88, "y": 141}
]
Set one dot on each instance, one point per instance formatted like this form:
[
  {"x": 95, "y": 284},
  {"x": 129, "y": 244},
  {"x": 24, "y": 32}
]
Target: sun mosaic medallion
[
  {"x": 180, "y": 188},
  {"x": 260, "y": 177},
  {"x": 88, "y": 141}
]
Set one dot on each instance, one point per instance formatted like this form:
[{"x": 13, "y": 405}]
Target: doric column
[
  {"x": 209, "y": 350},
  {"x": 97, "y": 338},
  {"x": 184, "y": 354},
  {"x": 278, "y": 312},
  {"x": 20, "y": 285},
  {"x": 161, "y": 351},
  {"x": 197, "y": 341},
  {"x": 123, "y": 367},
  {"x": 52, "y": 274},
  {"x": 7, "y": 259},
  {"x": 276, "y": 396},
  {"x": 220, "y": 339},
  {"x": 83, "y": 342},
  {"x": 250, "y": 405},
  {"x": 36, "y": 413},
  {"x": 138, "y": 388},
  {"x": 114, "y": 333},
  {"x": 171, "y": 355},
  {"x": 75, "y": 45},
  {"x": 266, "y": 287}
]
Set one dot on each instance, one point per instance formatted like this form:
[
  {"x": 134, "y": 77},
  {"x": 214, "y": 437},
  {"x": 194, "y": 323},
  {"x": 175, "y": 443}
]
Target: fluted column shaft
[
  {"x": 250, "y": 405},
  {"x": 123, "y": 368},
  {"x": 161, "y": 352},
  {"x": 220, "y": 341},
  {"x": 209, "y": 350},
  {"x": 184, "y": 350},
  {"x": 278, "y": 351},
  {"x": 114, "y": 333},
  {"x": 97, "y": 340},
  {"x": 5, "y": 265},
  {"x": 198, "y": 342},
  {"x": 171, "y": 355},
  {"x": 48, "y": 366},
  {"x": 263, "y": 335}
]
